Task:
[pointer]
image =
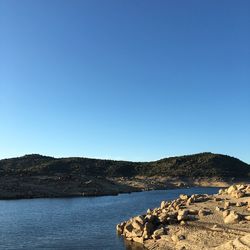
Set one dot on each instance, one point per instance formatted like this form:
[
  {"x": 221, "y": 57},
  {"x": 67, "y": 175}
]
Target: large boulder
[
  {"x": 120, "y": 227},
  {"x": 238, "y": 194},
  {"x": 183, "y": 215},
  {"x": 232, "y": 218},
  {"x": 231, "y": 189},
  {"x": 128, "y": 228},
  {"x": 148, "y": 230},
  {"x": 184, "y": 197},
  {"x": 152, "y": 219},
  {"x": 159, "y": 232},
  {"x": 163, "y": 204}
]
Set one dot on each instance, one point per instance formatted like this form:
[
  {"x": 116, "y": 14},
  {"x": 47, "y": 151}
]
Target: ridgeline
[{"x": 32, "y": 176}]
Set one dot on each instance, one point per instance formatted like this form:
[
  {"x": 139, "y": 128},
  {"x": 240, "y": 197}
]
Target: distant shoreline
[{"x": 119, "y": 189}]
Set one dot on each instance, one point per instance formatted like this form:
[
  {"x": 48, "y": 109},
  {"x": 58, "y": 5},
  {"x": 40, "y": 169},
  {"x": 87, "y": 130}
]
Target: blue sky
[{"x": 132, "y": 80}]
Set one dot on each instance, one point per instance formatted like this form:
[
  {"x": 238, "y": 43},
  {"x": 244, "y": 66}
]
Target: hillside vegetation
[
  {"x": 197, "y": 165},
  {"x": 36, "y": 176}
]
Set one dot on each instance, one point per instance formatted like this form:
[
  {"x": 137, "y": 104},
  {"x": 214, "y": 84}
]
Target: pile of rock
[
  {"x": 153, "y": 224},
  {"x": 232, "y": 204},
  {"x": 236, "y": 191}
]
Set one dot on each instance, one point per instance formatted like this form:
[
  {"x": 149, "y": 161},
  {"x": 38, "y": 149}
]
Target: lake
[{"x": 76, "y": 223}]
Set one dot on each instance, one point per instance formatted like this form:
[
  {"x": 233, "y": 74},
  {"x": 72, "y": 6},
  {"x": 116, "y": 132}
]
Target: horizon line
[{"x": 117, "y": 158}]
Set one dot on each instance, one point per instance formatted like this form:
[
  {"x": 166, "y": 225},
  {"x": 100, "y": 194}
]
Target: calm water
[{"x": 76, "y": 223}]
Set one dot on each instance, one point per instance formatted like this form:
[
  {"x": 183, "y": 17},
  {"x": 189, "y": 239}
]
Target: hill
[
  {"x": 197, "y": 165},
  {"x": 94, "y": 176}
]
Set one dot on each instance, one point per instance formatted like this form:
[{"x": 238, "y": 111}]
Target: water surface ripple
[{"x": 76, "y": 223}]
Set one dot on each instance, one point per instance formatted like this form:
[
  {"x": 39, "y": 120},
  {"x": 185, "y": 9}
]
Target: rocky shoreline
[{"x": 220, "y": 221}]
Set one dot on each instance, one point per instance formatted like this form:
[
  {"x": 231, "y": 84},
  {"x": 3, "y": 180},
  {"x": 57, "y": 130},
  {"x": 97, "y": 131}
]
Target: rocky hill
[
  {"x": 197, "y": 165},
  {"x": 42, "y": 176}
]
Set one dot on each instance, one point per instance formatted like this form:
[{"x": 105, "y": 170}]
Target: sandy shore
[{"x": 219, "y": 222}]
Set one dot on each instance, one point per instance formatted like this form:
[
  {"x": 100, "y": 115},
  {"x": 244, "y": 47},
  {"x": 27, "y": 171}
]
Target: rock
[
  {"x": 247, "y": 189},
  {"x": 171, "y": 221},
  {"x": 200, "y": 197},
  {"x": 217, "y": 199},
  {"x": 181, "y": 237},
  {"x": 203, "y": 212},
  {"x": 191, "y": 217},
  {"x": 176, "y": 238},
  {"x": 133, "y": 228},
  {"x": 189, "y": 201},
  {"x": 178, "y": 207},
  {"x": 148, "y": 230},
  {"x": 163, "y": 204},
  {"x": 240, "y": 243},
  {"x": 139, "y": 219},
  {"x": 232, "y": 218},
  {"x": 163, "y": 217},
  {"x": 240, "y": 204},
  {"x": 138, "y": 239},
  {"x": 173, "y": 214},
  {"x": 172, "y": 217},
  {"x": 182, "y": 215},
  {"x": 183, "y": 223},
  {"x": 174, "y": 204},
  {"x": 193, "y": 211},
  {"x": 241, "y": 186},
  {"x": 218, "y": 209},
  {"x": 151, "y": 218},
  {"x": 149, "y": 211},
  {"x": 137, "y": 225},
  {"x": 128, "y": 228},
  {"x": 231, "y": 189},
  {"x": 247, "y": 217},
  {"x": 216, "y": 228},
  {"x": 181, "y": 184},
  {"x": 225, "y": 213},
  {"x": 227, "y": 204},
  {"x": 221, "y": 191},
  {"x": 153, "y": 224},
  {"x": 183, "y": 212},
  {"x": 183, "y": 197},
  {"x": 120, "y": 227},
  {"x": 136, "y": 233},
  {"x": 238, "y": 194},
  {"x": 159, "y": 232}
]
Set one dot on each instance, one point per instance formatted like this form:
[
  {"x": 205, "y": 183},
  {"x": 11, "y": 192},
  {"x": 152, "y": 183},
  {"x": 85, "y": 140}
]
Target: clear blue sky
[{"x": 134, "y": 80}]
